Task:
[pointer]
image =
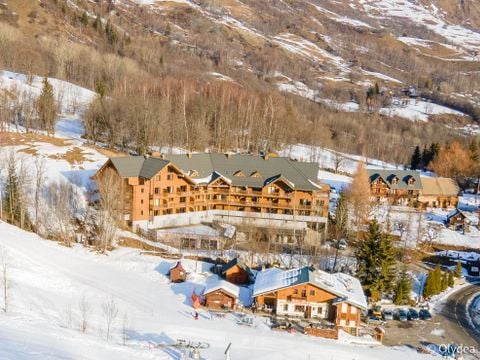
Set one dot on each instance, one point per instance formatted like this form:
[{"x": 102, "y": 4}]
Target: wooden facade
[
  {"x": 309, "y": 301},
  {"x": 178, "y": 273},
  {"x": 170, "y": 191},
  {"x": 237, "y": 275},
  {"x": 220, "y": 299}
]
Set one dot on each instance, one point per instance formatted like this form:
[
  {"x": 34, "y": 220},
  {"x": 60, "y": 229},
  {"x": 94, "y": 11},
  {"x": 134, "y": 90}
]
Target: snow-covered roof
[
  {"x": 214, "y": 284},
  {"x": 339, "y": 284}
]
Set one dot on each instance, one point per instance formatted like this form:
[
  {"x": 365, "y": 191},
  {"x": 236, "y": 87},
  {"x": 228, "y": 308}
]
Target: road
[{"x": 454, "y": 319}]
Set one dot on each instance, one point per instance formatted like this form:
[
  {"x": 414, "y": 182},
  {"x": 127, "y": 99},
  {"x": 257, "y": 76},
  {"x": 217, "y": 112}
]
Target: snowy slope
[{"x": 49, "y": 280}]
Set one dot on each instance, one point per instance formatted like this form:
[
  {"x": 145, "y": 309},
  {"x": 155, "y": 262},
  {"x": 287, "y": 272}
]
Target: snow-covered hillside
[{"x": 49, "y": 281}]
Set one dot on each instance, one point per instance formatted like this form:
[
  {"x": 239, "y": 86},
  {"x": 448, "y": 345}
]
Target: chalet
[
  {"x": 184, "y": 190},
  {"x": 439, "y": 192},
  {"x": 177, "y": 273},
  {"x": 395, "y": 186},
  {"x": 236, "y": 271},
  {"x": 459, "y": 220},
  {"x": 221, "y": 295},
  {"x": 307, "y": 293}
]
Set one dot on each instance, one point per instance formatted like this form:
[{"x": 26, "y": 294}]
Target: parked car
[
  {"x": 412, "y": 314},
  {"x": 342, "y": 244},
  {"x": 424, "y": 315},
  {"x": 374, "y": 320},
  {"x": 387, "y": 315},
  {"x": 377, "y": 310},
  {"x": 402, "y": 315}
]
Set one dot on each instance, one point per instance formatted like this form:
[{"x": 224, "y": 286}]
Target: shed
[
  {"x": 459, "y": 220},
  {"x": 236, "y": 271},
  {"x": 177, "y": 273},
  {"x": 220, "y": 294}
]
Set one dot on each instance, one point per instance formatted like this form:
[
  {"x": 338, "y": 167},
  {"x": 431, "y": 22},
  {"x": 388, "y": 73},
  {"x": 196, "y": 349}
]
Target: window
[
  {"x": 344, "y": 308},
  {"x": 141, "y": 212},
  {"x": 156, "y": 213},
  {"x": 299, "y": 308},
  {"x": 295, "y": 291},
  {"x": 271, "y": 189},
  {"x": 157, "y": 191},
  {"x": 285, "y": 307},
  {"x": 156, "y": 202},
  {"x": 320, "y": 311},
  {"x": 157, "y": 177},
  {"x": 142, "y": 190},
  {"x": 304, "y": 293},
  {"x": 141, "y": 201},
  {"x": 169, "y": 177},
  {"x": 312, "y": 292},
  {"x": 183, "y": 199},
  {"x": 353, "y": 310}
]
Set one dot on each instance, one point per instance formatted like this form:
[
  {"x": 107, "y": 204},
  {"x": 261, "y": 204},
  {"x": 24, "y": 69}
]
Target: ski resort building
[
  {"x": 337, "y": 299},
  {"x": 241, "y": 190},
  {"x": 407, "y": 187}
]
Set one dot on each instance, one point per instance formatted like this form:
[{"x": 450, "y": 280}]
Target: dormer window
[
  {"x": 256, "y": 174},
  {"x": 238, "y": 173},
  {"x": 193, "y": 173},
  {"x": 411, "y": 181},
  {"x": 395, "y": 180}
]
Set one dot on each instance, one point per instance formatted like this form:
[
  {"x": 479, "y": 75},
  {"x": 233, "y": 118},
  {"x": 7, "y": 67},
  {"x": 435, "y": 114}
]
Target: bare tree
[
  {"x": 59, "y": 197},
  {"x": 40, "y": 168},
  {"x": 108, "y": 215},
  {"x": 5, "y": 263},
  {"x": 110, "y": 312},
  {"x": 359, "y": 197},
  {"x": 338, "y": 161},
  {"x": 85, "y": 309}
]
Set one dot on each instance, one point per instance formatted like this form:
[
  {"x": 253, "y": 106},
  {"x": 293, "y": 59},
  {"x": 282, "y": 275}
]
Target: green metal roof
[
  {"x": 133, "y": 166},
  {"x": 301, "y": 175},
  {"x": 402, "y": 175}
]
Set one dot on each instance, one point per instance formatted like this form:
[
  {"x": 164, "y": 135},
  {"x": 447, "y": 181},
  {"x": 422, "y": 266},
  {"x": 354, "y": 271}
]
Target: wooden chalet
[
  {"x": 221, "y": 295},
  {"x": 459, "y": 220},
  {"x": 439, "y": 192},
  {"x": 395, "y": 186},
  {"x": 336, "y": 298},
  {"x": 236, "y": 271},
  {"x": 177, "y": 273}
]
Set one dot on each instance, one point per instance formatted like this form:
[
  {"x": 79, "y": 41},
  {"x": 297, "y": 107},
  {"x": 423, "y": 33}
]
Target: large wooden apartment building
[{"x": 180, "y": 190}]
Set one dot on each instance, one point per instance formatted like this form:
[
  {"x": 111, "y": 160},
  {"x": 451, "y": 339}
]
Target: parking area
[{"x": 414, "y": 333}]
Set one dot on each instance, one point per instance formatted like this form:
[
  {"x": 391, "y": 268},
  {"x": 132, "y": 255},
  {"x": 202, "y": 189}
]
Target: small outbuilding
[
  {"x": 177, "y": 273},
  {"x": 236, "y": 271},
  {"x": 221, "y": 295},
  {"x": 459, "y": 220}
]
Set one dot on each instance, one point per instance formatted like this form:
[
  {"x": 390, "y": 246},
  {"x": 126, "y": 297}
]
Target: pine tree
[
  {"x": 376, "y": 89},
  {"x": 341, "y": 215},
  {"x": 12, "y": 194},
  {"x": 376, "y": 262},
  {"x": 46, "y": 108},
  {"x": 437, "y": 280},
  {"x": 444, "y": 281},
  {"x": 458, "y": 270},
  {"x": 428, "y": 288},
  {"x": 84, "y": 19},
  {"x": 110, "y": 32},
  {"x": 97, "y": 24},
  {"x": 403, "y": 289},
  {"x": 451, "y": 279},
  {"x": 416, "y": 158}
]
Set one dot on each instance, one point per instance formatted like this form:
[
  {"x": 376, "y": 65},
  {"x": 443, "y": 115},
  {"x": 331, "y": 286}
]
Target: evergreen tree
[
  {"x": 341, "y": 216},
  {"x": 416, "y": 158},
  {"x": 46, "y": 108},
  {"x": 444, "y": 281},
  {"x": 111, "y": 34},
  {"x": 458, "y": 269},
  {"x": 376, "y": 89},
  {"x": 376, "y": 262},
  {"x": 451, "y": 279},
  {"x": 473, "y": 148},
  {"x": 12, "y": 195},
  {"x": 403, "y": 289},
  {"x": 428, "y": 288},
  {"x": 97, "y": 24},
  {"x": 84, "y": 19}
]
